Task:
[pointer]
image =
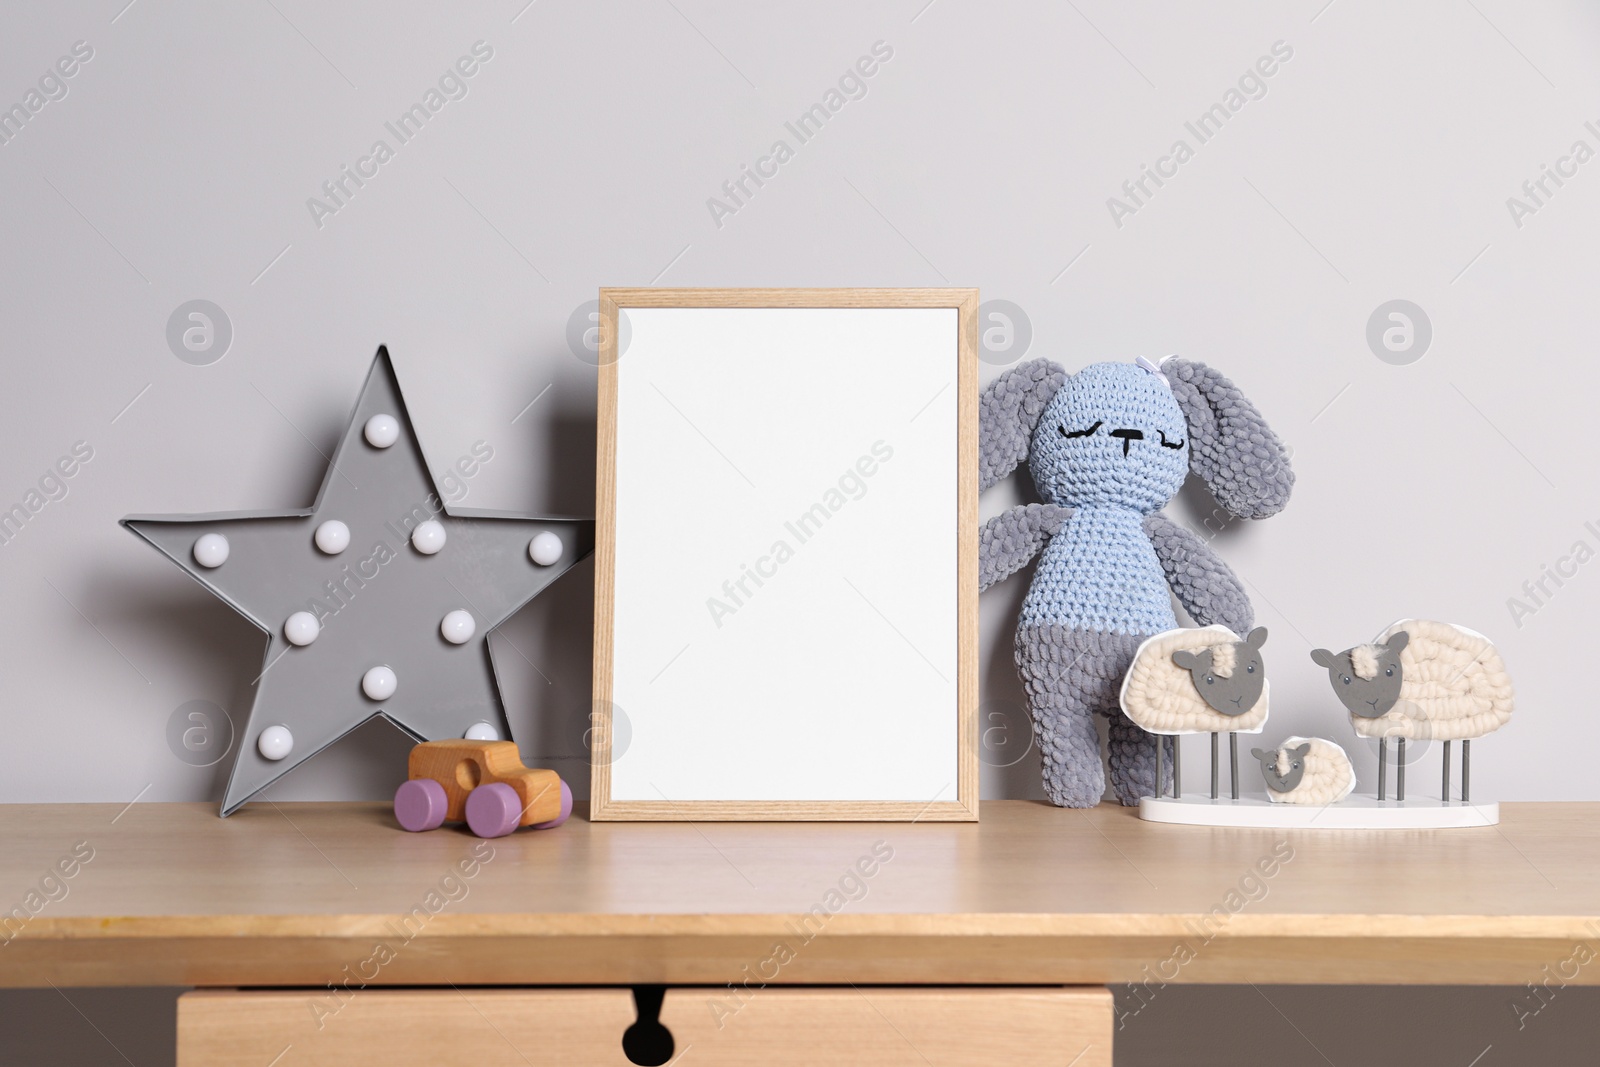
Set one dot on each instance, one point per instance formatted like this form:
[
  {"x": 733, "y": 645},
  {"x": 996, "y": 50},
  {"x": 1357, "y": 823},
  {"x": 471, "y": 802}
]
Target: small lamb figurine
[
  {"x": 1422, "y": 679},
  {"x": 1306, "y": 770},
  {"x": 1199, "y": 680}
]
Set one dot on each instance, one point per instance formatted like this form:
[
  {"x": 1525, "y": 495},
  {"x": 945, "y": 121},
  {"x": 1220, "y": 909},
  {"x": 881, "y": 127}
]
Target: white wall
[{"x": 1376, "y": 166}]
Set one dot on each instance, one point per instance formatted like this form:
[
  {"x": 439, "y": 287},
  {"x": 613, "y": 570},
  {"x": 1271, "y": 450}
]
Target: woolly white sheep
[
  {"x": 1306, "y": 770},
  {"x": 1197, "y": 680},
  {"x": 1422, "y": 679}
]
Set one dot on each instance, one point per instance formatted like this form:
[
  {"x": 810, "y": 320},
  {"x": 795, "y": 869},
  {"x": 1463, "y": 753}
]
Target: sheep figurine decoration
[
  {"x": 1198, "y": 680},
  {"x": 1422, "y": 680},
  {"x": 1306, "y": 770},
  {"x": 1108, "y": 447}
]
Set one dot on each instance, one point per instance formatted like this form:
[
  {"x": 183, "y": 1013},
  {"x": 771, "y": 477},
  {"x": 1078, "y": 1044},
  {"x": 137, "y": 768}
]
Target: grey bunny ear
[
  {"x": 1008, "y": 410},
  {"x": 1232, "y": 449}
]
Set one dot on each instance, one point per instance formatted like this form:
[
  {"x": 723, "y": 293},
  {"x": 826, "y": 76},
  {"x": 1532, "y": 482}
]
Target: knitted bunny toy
[{"x": 1108, "y": 447}]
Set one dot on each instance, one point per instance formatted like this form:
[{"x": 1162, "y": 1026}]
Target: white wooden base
[{"x": 1353, "y": 813}]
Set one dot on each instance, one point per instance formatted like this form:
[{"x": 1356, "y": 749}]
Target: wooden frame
[{"x": 964, "y": 806}]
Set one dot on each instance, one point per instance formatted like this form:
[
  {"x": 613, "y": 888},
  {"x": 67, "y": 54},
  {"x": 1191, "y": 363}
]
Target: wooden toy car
[{"x": 483, "y": 783}]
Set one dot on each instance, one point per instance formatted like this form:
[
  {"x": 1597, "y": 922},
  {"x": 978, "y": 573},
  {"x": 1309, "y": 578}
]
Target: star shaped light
[{"x": 377, "y": 600}]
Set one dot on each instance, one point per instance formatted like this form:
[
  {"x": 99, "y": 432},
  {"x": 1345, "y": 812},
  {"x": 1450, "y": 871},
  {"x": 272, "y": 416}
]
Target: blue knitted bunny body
[
  {"x": 1100, "y": 573},
  {"x": 1108, "y": 447}
]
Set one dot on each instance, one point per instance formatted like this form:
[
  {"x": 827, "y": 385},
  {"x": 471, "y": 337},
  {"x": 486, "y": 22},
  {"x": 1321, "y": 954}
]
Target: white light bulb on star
[
  {"x": 381, "y": 431},
  {"x": 211, "y": 550},
  {"x": 458, "y": 627},
  {"x": 545, "y": 549},
  {"x": 379, "y": 683},
  {"x": 333, "y": 537},
  {"x": 301, "y": 628},
  {"x": 428, "y": 537},
  {"x": 275, "y": 742}
]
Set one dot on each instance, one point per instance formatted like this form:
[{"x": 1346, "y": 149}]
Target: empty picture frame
[{"x": 786, "y": 600}]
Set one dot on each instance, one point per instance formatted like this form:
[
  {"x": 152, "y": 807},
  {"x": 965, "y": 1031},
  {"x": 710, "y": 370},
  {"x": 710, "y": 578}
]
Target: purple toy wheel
[
  {"x": 493, "y": 810},
  {"x": 420, "y": 804},
  {"x": 566, "y": 809}
]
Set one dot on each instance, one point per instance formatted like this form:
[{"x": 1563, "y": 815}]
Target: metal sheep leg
[
  {"x": 1164, "y": 749},
  {"x": 1400, "y": 772},
  {"x": 1383, "y": 768},
  {"x": 1444, "y": 790},
  {"x": 1213, "y": 766},
  {"x": 1233, "y": 756}
]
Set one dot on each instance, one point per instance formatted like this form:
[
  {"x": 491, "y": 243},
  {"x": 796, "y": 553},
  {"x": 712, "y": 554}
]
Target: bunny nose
[{"x": 1128, "y": 438}]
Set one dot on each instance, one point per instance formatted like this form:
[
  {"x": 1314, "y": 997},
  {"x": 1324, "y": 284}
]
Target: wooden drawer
[
  {"x": 842, "y": 1026},
  {"x": 776, "y": 1027}
]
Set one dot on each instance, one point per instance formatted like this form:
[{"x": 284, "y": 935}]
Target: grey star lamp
[{"x": 377, "y": 601}]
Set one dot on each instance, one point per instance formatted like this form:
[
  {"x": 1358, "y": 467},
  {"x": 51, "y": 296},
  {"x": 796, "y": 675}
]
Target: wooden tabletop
[{"x": 307, "y": 894}]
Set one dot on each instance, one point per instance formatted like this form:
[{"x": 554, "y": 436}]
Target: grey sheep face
[
  {"x": 1283, "y": 783},
  {"x": 1229, "y": 688},
  {"x": 1366, "y": 678}
]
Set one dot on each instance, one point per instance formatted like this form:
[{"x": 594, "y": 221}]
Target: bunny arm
[
  {"x": 1205, "y": 586},
  {"x": 1009, "y": 540}
]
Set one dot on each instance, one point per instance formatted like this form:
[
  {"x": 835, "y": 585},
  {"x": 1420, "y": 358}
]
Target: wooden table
[{"x": 300, "y": 895}]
